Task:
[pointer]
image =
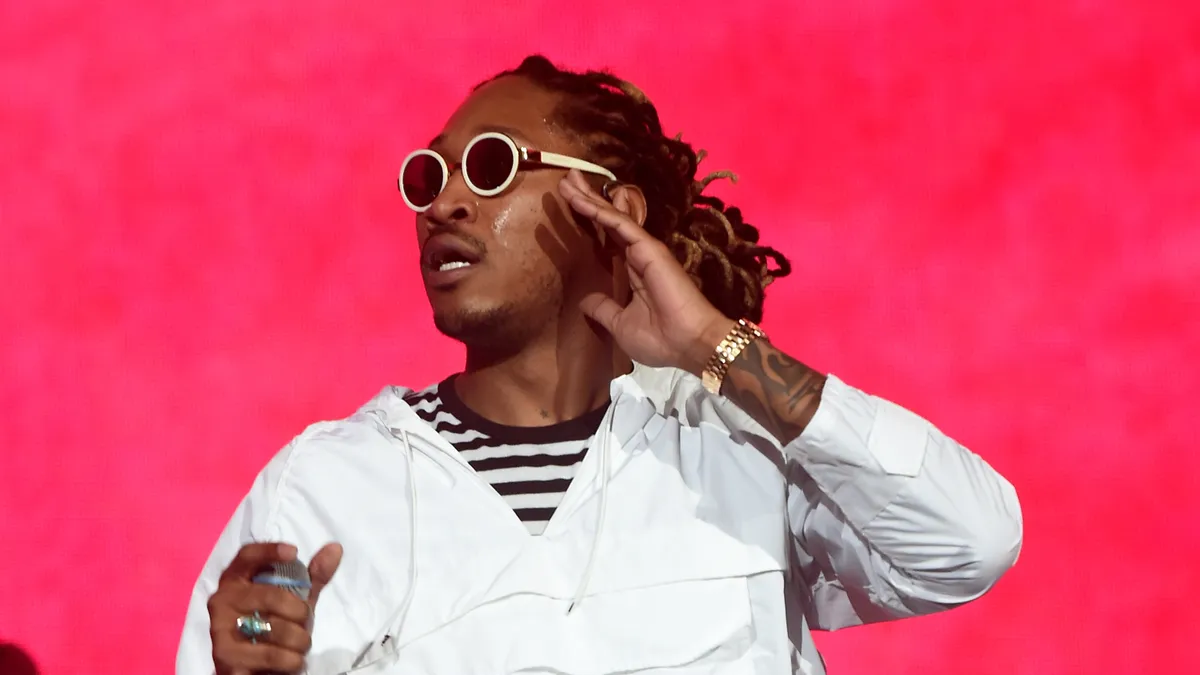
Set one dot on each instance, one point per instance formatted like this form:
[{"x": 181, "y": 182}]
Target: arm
[
  {"x": 892, "y": 517},
  {"x": 254, "y": 539},
  {"x": 779, "y": 392},
  {"x": 248, "y": 524}
]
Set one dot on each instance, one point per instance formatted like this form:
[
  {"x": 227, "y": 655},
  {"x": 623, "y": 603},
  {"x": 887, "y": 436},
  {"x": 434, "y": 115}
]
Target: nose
[{"x": 456, "y": 204}]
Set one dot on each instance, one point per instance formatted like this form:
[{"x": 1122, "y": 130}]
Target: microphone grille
[{"x": 292, "y": 575}]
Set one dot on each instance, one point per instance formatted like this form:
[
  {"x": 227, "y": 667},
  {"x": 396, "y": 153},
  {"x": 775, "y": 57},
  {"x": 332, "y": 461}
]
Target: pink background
[{"x": 993, "y": 208}]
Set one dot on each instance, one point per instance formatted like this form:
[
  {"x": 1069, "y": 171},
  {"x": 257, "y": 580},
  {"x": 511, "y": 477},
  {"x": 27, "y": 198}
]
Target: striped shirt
[{"x": 530, "y": 467}]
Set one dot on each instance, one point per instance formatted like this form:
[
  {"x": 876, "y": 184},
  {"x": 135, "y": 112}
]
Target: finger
[
  {"x": 243, "y": 655},
  {"x": 589, "y": 183},
  {"x": 575, "y": 183},
  {"x": 569, "y": 189},
  {"x": 639, "y": 259},
  {"x": 576, "y": 177},
  {"x": 271, "y": 600},
  {"x": 322, "y": 568},
  {"x": 636, "y": 283},
  {"x": 287, "y": 634},
  {"x": 622, "y": 227},
  {"x": 228, "y": 639},
  {"x": 284, "y": 633},
  {"x": 602, "y": 309},
  {"x": 254, "y": 557},
  {"x": 624, "y": 230}
]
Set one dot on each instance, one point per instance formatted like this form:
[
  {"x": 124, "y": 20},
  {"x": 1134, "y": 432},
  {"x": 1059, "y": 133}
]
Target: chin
[
  {"x": 474, "y": 326},
  {"x": 504, "y": 317}
]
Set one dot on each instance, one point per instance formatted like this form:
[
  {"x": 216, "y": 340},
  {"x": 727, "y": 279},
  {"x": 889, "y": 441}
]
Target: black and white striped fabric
[{"x": 530, "y": 467}]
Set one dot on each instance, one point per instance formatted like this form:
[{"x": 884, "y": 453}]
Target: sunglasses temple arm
[{"x": 564, "y": 162}]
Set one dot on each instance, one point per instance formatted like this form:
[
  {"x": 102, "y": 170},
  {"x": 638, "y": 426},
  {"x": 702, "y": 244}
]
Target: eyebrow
[{"x": 499, "y": 128}]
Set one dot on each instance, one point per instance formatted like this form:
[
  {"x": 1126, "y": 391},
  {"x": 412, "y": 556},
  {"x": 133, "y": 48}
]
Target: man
[{"x": 627, "y": 476}]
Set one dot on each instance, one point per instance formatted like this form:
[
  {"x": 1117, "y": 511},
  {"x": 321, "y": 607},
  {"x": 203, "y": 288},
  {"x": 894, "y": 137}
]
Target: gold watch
[{"x": 740, "y": 336}]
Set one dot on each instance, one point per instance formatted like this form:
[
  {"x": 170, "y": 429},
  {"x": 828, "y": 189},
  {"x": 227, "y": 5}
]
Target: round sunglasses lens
[
  {"x": 422, "y": 180},
  {"x": 489, "y": 163}
]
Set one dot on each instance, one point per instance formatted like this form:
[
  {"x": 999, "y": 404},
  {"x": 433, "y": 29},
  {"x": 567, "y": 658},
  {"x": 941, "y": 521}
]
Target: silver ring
[
  {"x": 254, "y": 627},
  {"x": 605, "y": 188}
]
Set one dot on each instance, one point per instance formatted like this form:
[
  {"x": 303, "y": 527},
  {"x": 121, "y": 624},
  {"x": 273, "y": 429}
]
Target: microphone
[{"x": 292, "y": 576}]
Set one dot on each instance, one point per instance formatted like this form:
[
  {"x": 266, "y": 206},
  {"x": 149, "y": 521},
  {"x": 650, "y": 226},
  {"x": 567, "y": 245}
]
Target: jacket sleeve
[
  {"x": 250, "y": 523},
  {"x": 890, "y": 517}
]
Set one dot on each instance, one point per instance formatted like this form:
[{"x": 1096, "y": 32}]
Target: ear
[{"x": 630, "y": 200}]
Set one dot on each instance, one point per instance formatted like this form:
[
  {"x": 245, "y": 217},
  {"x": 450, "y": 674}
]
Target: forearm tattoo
[{"x": 779, "y": 392}]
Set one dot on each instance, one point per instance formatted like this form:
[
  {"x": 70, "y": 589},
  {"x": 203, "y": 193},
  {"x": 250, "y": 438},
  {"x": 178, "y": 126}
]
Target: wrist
[{"x": 700, "y": 350}]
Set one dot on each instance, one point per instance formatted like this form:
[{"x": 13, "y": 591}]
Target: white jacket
[{"x": 689, "y": 541}]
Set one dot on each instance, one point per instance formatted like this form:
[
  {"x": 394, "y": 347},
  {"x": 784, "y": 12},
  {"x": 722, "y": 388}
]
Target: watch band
[{"x": 740, "y": 336}]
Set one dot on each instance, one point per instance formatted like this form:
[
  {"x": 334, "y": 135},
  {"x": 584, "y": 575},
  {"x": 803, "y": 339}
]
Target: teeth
[{"x": 452, "y": 266}]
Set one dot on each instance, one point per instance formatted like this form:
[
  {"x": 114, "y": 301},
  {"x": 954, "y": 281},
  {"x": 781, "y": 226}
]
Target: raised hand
[{"x": 668, "y": 321}]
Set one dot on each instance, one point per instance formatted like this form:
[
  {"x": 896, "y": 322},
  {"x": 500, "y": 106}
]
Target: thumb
[
  {"x": 321, "y": 569},
  {"x": 602, "y": 309}
]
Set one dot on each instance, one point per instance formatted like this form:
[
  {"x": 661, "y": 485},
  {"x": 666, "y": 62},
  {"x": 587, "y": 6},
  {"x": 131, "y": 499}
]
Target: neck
[{"x": 562, "y": 374}]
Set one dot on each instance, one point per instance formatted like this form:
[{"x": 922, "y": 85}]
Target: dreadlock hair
[{"x": 620, "y": 128}]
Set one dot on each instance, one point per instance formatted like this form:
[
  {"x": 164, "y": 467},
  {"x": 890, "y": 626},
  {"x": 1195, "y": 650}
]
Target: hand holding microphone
[{"x": 260, "y": 617}]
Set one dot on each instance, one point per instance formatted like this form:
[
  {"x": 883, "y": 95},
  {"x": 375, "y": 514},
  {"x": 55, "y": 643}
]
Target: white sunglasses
[{"x": 490, "y": 163}]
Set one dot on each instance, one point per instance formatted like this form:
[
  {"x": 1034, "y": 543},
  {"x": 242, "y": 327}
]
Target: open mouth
[{"x": 443, "y": 253}]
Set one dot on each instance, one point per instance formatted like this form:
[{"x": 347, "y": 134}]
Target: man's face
[{"x": 529, "y": 261}]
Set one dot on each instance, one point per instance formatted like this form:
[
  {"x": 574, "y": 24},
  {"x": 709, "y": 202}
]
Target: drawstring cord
[
  {"x": 412, "y": 541},
  {"x": 592, "y": 555},
  {"x": 391, "y": 629}
]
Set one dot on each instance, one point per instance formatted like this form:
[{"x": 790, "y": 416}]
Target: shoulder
[
  {"x": 327, "y": 448},
  {"x": 335, "y": 468}
]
